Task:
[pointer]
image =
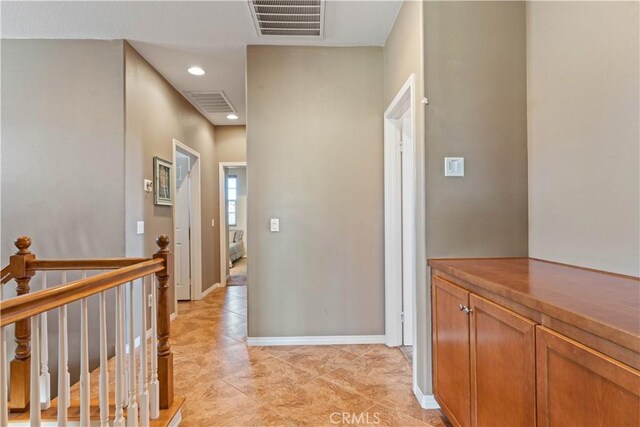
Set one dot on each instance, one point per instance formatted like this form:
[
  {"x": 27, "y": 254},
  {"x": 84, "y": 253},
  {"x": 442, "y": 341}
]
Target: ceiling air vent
[
  {"x": 292, "y": 18},
  {"x": 210, "y": 102}
]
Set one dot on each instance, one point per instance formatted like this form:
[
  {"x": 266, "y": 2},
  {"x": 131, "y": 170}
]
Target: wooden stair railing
[
  {"x": 29, "y": 372},
  {"x": 5, "y": 276}
]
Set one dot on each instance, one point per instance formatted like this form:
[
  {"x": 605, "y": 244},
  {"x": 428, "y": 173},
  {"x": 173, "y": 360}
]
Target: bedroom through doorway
[{"x": 233, "y": 206}]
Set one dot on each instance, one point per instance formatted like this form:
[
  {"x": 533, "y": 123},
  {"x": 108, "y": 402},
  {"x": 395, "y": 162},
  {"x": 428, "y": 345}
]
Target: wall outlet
[
  {"x": 150, "y": 300},
  {"x": 454, "y": 166},
  {"x": 275, "y": 225}
]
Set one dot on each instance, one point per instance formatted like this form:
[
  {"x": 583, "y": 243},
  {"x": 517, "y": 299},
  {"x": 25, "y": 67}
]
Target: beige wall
[
  {"x": 155, "y": 114},
  {"x": 314, "y": 150},
  {"x": 402, "y": 52},
  {"x": 231, "y": 143},
  {"x": 584, "y": 159},
  {"x": 475, "y": 80},
  {"x": 63, "y": 165},
  {"x": 403, "y": 56}
]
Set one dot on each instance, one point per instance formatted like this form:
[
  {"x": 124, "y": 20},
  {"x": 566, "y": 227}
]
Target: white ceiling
[{"x": 174, "y": 35}]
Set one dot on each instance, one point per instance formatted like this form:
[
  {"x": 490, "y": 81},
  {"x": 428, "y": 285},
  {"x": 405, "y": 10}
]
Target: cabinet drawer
[{"x": 578, "y": 386}]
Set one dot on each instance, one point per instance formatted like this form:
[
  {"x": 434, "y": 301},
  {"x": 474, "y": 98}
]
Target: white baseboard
[
  {"x": 211, "y": 288},
  {"x": 148, "y": 334},
  {"x": 427, "y": 401},
  {"x": 137, "y": 341},
  {"x": 317, "y": 340}
]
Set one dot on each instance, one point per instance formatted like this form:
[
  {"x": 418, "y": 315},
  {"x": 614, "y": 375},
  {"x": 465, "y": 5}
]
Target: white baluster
[
  {"x": 154, "y": 407},
  {"x": 34, "y": 413},
  {"x": 45, "y": 378},
  {"x": 104, "y": 364},
  {"x": 66, "y": 367},
  {"x": 4, "y": 395},
  {"x": 85, "y": 403},
  {"x": 123, "y": 342},
  {"x": 143, "y": 397},
  {"x": 63, "y": 382},
  {"x": 119, "y": 415},
  {"x": 132, "y": 409}
]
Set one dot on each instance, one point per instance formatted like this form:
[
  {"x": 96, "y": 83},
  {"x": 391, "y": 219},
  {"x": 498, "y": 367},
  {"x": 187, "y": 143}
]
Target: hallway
[{"x": 227, "y": 383}]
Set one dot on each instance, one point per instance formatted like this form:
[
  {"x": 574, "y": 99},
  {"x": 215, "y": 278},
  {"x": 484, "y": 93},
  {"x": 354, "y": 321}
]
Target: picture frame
[{"x": 162, "y": 182}]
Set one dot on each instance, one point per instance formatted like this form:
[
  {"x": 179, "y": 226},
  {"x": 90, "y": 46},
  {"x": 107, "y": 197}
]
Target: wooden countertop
[{"x": 605, "y": 304}]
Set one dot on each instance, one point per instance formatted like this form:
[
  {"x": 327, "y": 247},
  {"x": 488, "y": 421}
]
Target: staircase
[{"x": 141, "y": 379}]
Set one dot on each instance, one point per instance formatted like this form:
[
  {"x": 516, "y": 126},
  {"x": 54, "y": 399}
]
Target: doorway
[
  {"x": 233, "y": 223},
  {"x": 400, "y": 228},
  {"x": 187, "y": 247}
]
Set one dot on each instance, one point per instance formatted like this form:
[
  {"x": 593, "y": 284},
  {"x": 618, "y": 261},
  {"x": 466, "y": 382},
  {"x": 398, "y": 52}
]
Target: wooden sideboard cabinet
[{"x": 513, "y": 344}]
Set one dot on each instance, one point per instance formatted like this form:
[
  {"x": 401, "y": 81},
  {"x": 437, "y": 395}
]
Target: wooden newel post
[
  {"x": 19, "y": 376},
  {"x": 165, "y": 357}
]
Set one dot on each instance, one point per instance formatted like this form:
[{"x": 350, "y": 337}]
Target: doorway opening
[
  {"x": 400, "y": 227},
  {"x": 187, "y": 247},
  {"x": 233, "y": 223}
]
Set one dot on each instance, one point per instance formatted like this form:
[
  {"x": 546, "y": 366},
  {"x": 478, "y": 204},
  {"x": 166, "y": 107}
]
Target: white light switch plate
[
  {"x": 140, "y": 227},
  {"x": 148, "y": 185},
  {"x": 213, "y": 222},
  {"x": 275, "y": 225},
  {"x": 454, "y": 166}
]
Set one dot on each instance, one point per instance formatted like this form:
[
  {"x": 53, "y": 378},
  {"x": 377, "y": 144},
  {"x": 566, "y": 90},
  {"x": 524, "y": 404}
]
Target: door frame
[
  {"x": 224, "y": 235},
  {"x": 399, "y": 209},
  {"x": 195, "y": 222}
]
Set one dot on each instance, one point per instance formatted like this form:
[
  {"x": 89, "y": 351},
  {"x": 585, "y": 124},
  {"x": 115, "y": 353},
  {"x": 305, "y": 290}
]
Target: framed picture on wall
[{"x": 162, "y": 185}]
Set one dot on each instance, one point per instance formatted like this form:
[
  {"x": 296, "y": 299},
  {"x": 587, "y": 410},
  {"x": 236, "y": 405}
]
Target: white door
[{"x": 183, "y": 244}]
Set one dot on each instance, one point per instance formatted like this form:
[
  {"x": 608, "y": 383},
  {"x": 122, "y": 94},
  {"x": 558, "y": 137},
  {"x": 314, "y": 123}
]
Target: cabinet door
[
  {"x": 451, "y": 350},
  {"x": 502, "y": 366},
  {"x": 577, "y": 386}
]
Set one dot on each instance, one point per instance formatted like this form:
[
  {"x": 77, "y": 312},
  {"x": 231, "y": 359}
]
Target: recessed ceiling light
[
  {"x": 232, "y": 117},
  {"x": 196, "y": 71}
]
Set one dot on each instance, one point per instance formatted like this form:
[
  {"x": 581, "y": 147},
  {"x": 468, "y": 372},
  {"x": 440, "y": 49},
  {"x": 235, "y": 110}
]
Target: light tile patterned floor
[{"x": 227, "y": 383}]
